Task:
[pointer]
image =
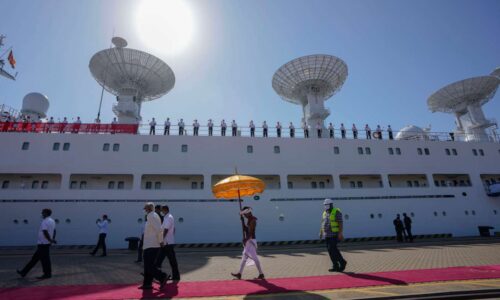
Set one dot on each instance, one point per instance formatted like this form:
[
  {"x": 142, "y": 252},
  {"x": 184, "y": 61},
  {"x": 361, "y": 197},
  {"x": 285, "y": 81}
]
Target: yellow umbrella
[{"x": 238, "y": 186}]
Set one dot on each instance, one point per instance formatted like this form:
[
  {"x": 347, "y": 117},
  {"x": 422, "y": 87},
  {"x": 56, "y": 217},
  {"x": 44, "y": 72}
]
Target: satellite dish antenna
[
  {"x": 133, "y": 76},
  {"x": 465, "y": 99},
  {"x": 309, "y": 81}
]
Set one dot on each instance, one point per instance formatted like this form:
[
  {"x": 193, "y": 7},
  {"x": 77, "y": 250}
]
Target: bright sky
[{"x": 398, "y": 53}]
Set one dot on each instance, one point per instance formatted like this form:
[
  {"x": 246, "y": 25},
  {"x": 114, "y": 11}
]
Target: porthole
[
  {"x": 464, "y": 194},
  {"x": 277, "y": 149},
  {"x": 380, "y": 216},
  {"x": 435, "y": 214},
  {"x": 68, "y": 221},
  {"x": 16, "y": 221},
  {"x": 466, "y": 212},
  {"x": 184, "y": 148},
  {"x": 473, "y": 212},
  {"x": 495, "y": 212},
  {"x": 181, "y": 220},
  {"x": 412, "y": 214},
  {"x": 139, "y": 220},
  {"x": 57, "y": 221},
  {"x": 444, "y": 214},
  {"x": 346, "y": 217},
  {"x": 281, "y": 217},
  {"x": 372, "y": 216},
  {"x": 25, "y": 221}
]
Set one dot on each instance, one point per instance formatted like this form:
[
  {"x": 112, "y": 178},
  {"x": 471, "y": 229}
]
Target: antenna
[
  {"x": 133, "y": 76},
  {"x": 465, "y": 99},
  {"x": 309, "y": 81}
]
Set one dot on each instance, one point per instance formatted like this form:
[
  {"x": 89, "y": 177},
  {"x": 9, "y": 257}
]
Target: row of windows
[
  {"x": 184, "y": 148},
  {"x": 452, "y": 183},
  {"x": 157, "y": 185},
  {"x": 83, "y": 185},
  {"x": 35, "y": 184}
]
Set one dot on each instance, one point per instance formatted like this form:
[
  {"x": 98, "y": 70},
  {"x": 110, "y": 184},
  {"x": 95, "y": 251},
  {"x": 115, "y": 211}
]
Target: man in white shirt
[
  {"x": 169, "y": 241},
  {"x": 305, "y": 128},
  {"x": 389, "y": 131},
  {"x": 153, "y": 241},
  {"x": 113, "y": 126},
  {"x": 46, "y": 237},
  {"x": 223, "y": 128},
  {"x": 196, "y": 127},
  {"x": 292, "y": 130},
  {"x": 181, "y": 127},
  {"x": 62, "y": 126},
  {"x": 252, "y": 129},
  {"x": 342, "y": 130},
  {"x": 378, "y": 132},
  {"x": 278, "y": 129},
  {"x": 210, "y": 126},
  {"x": 368, "y": 132},
  {"x": 264, "y": 129},
  {"x": 319, "y": 129},
  {"x": 76, "y": 125},
  {"x": 234, "y": 128},
  {"x": 354, "y": 131},
  {"x": 152, "y": 126},
  {"x": 103, "y": 231},
  {"x": 331, "y": 130},
  {"x": 166, "y": 130}
]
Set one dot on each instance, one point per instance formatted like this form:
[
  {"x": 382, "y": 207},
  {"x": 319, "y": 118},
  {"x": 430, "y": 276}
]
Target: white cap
[{"x": 328, "y": 201}]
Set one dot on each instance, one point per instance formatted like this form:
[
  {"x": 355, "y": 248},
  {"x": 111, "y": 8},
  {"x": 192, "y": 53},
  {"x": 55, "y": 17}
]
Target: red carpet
[{"x": 244, "y": 287}]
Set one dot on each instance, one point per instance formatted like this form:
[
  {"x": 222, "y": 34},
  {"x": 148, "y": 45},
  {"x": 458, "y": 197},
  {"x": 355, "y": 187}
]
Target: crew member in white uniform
[
  {"x": 152, "y": 127},
  {"x": 278, "y": 129},
  {"x": 46, "y": 237},
  {"x": 249, "y": 256},
  {"x": 234, "y": 128},
  {"x": 331, "y": 130},
  {"x": 305, "y": 128},
  {"x": 223, "y": 127},
  {"x": 210, "y": 126},
  {"x": 264, "y": 129},
  {"x": 181, "y": 127},
  {"x": 166, "y": 129},
  {"x": 196, "y": 127},
  {"x": 103, "y": 231},
  {"x": 292, "y": 130},
  {"x": 169, "y": 240},
  {"x": 252, "y": 129},
  {"x": 319, "y": 129}
]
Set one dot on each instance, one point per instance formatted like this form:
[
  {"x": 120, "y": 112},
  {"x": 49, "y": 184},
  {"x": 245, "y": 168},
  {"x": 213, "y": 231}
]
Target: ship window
[
  {"x": 45, "y": 184},
  {"x": 290, "y": 185},
  {"x": 34, "y": 184},
  {"x": 67, "y": 221},
  {"x": 148, "y": 185},
  {"x": 416, "y": 183},
  {"x": 368, "y": 150},
  {"x": 408, "y": 183},
  {"x": 202, "y": 185},
  {"x": 412, "y": 214},
  {"x": 391, "y": 151},
  {"x": 360, "y": 184},
  {"x": 55, "y": 146},
  {"x": 352, "y": 184},
  {"x": 5, "y": 184},
  {"x": 336, "y": 150},
  {"x": 72, "y": 185},
  {"x": 321, "y": 185},
  {"x": 380, "y": 183},
  {"x": 181, "y": 220},
  {"x": 481, "y": 152},
  {"x": 155, "y": 147},
  {"x": 194, "y": 185},
  {"x": 314, "y": 185},
  {"x": 249, "y": 149},
  {"x": 83, "y": 185},
  {"x": 121, "y": 185},
  {"x": 454, "y": 151},
  {"x": 276, "y": 149},
  {"x": 25, "y": 146},
  {"x": 116, "y": 147},
  {"x": 66, "y": 146},
  {"x": 111, "y": 185},
  {"x": 184, "y": 148},
  {"x": 426, "y": 151},
  {"x": 360, "y": 150},
  {"x": 139, "y": 220},
  {"x": 398, "y": 151},
  {"x": 474, "y": 151},
  {"x": 157, "y": 185},
  {"x": 145, "y": 148},
  {"x": 447, "y": 151},
  {"x": 105, "y": 147},
  {"x": 419, "y": 151}
]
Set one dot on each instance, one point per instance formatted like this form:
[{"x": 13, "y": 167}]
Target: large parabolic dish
[
  {"x": 457, "y": 96},
  {"x": 322, "y": 74},
  {"x": 129, "y": 72}
]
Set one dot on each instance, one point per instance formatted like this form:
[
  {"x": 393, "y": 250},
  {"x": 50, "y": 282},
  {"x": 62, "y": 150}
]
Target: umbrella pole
[{"x": 241, "y": 217}]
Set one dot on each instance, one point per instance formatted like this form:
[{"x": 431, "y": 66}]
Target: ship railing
[{"x": 145, "y": 129}]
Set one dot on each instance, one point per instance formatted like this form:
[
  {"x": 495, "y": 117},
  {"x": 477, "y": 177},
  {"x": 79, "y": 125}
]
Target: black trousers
[
  {"x": 169, "y": 252},
  {"x": 278, "y": 132},
  {"x": 210, "y": 131},
  {"x": 252, "y": 132},
  {"x": 166, "y": 131},
  {"x": 390, "y": 135},
  {"x": 368, "y": 135},
  {"x": 399, "y": 235},
  {"x": 334, "y": 252},
  {"x": 223, "y": 131},
  {"x": 150, "y": 270},
  {"x": 101, "y": 243},
  {"x": 342, "y": 132},
  {"x": 292, "y": 133},
  {"x": 181, "y": 130},
  {"x": 331, "y": 134},
  {"x": 152, "y": 130},
  {"x": 42, "y": 254},
  {"x": 306, "y": 133},
  {"x": 264, "y": 133},
  {"x": 355, "y": 134},
  {"x": 233, "y": 131},
  {"x": 139, "y": 250},
  {"x": 195, "y": 131},
  {"x": 410, "y": 235},
  {"x": 319, "y": 133}
]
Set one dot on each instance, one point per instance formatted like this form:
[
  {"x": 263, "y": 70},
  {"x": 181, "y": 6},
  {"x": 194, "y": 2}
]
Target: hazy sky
[{"x": 398, "y": 53}]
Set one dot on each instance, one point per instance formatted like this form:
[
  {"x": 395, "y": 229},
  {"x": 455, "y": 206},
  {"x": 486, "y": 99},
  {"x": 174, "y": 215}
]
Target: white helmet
[{"x": 328, "y": 201}]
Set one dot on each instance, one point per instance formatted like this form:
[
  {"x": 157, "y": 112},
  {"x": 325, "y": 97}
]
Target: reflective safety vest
[{"x": 334, "y": 225}]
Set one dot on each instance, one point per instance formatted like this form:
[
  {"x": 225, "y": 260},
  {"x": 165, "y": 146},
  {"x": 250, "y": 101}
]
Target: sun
[{"x": 166, "y": 26}]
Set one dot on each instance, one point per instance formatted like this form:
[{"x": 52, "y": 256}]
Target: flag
[{"x": 12, "y": 60}]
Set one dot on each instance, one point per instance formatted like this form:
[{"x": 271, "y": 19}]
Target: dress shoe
[
  {"x": 261, "y": 276},
  {"x": 145, "y": 287},
  {"x": 342, "y": 266},
  {"x": 236, "y": 275},
  {"x": 21, "y": 273},
  {"x": 44, "y": 277},
  {"x": 163, "y": 280},
  {"x": 333, "y": 270}
]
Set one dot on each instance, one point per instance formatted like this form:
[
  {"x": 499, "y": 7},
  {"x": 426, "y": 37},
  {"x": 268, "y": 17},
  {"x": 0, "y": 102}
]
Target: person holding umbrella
[{"x": 249, "y": 256}]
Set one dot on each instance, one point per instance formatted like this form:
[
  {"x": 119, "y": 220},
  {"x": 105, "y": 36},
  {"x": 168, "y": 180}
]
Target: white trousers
[{"x": 249, "y": 256}]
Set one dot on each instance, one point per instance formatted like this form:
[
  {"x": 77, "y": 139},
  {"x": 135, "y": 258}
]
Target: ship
[{"x": 447, "y": 182}]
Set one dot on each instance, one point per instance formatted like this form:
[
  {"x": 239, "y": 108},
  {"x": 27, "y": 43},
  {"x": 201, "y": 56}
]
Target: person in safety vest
[{"x": 332, "y": 231}]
